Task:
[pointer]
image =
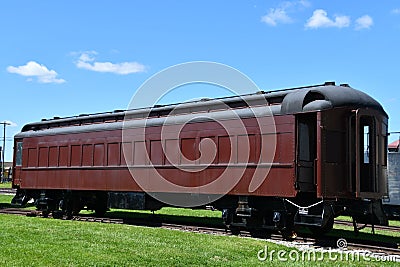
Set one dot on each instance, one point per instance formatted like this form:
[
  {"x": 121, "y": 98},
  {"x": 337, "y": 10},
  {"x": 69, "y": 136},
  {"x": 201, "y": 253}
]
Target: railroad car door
[
  {"x": 370, "y": 146},
  {"x": 17, "y": 162},
  {"x": 306, "y": 152}
]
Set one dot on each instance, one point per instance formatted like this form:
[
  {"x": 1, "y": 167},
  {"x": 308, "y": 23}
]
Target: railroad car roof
[{"x": 286, "y": 101}]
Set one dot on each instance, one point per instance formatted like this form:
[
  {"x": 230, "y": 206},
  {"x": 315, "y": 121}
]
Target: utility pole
[{"x": 4, "y": 123}]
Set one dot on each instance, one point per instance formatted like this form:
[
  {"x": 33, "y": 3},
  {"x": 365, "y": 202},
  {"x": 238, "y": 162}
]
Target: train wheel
[
  {"x": 100, "y": 209},
  {"x": 45, "y": 213},
  {"x": 100, "y": 212},
  {"x": 58, "y": 214},
  {"x": 320, "y": 231},
  {"x": 289, "y": 235},
  {"x": 100, "y": 206},
  {"x": 76, "y": 211},
  {"x": 260, "y": 233},
  {"x": 327, "y": 224},
  {"x": 234, "y": 230}
]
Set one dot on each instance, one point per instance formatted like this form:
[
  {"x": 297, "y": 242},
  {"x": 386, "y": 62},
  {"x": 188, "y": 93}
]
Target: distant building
[
  {"x": 393, "y": 174},
  {"x": 7, "y": 170},
  {"x": 394, "y": 146}
]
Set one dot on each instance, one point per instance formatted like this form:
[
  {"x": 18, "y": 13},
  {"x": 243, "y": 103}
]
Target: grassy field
[
  {"x": 48, "y": 242},
  {"x": 5, "y": 185},
  {"x": 44, "y": 242}
]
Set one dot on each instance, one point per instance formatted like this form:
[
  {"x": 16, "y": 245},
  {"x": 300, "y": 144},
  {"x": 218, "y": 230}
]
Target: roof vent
[
  {"x": 344, "y": 85},
  {"x": 329, "y": 83}
]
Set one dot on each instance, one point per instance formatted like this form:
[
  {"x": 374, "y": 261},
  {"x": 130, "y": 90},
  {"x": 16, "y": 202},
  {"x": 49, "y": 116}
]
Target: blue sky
[{"x": 64, "y": 58}]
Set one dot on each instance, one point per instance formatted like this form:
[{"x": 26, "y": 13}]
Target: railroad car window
[
  {"x": 246, "y": 144},
  {"x": 99, "y": 155},
  {"x": 53, "y": 156},
  {"x": 172, "y": 153},
  {"x": 268, "y": 140},
  {"x": 63, "y": 156},
  {"x": 304, "y": 136},
  {"x": 189, "y": 151},
  {"x": 87, "y": 155},
  {"x": 113, "y": 155},
  {"x": 306, "y": 139},
  {"x": 127, "y": 153},
  {"x": 18, "y": 155},
  {"x": 32, "y": 157},
  {"x": 76, "y": 154},
  {"x": 156, "y": 152},
  {"x": 207, "y": 150},
  {"x": 140, "y": 153},
  {"x": 43, "y": 156},
  {"x": 366, "y": 143},
  {"x": 224, "y": 149}
]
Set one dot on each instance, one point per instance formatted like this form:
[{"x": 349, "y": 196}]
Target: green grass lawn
[
  {"x": 5, "y": 185},
  {"x": 5, "y": 200},
  {"x": 48, "y": 242},
  {"x": 348, "y": 218}
]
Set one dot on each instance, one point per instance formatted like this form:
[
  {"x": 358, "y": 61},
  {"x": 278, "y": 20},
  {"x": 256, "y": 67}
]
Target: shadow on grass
[
  {"x": 331, "y": 238},
  {"x": 9, "y": 205},
  {"x": 6, "y": 205},
  {"x": 158, "y": 219},
  {"x": 370, "y": 237}
]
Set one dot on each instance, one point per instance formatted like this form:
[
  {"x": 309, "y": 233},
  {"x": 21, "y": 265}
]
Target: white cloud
[
  {"x": 364, "y": 22},
  {"x": 280, "y": 14},
  {"x": 295, "y": 5},
  {"x": 87, "y": 61},
  {"x": 320, "y": 19},
  {"x": 396, "y": 11},
  {"x": 34, "y": 69},
  {"x": 275, "y": 16}
]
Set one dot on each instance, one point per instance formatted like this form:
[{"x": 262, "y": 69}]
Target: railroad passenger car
[{"x": 317, "y": 136}]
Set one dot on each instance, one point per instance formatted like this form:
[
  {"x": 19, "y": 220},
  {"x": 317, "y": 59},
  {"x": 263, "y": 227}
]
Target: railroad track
[
  {"x": 376, "y": 227},
  {"x": 7, "y": 191},
  {"x": 16, "y": 211},
  {"x": 374, "y": 247}
]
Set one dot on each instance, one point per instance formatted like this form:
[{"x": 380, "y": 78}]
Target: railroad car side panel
[{"x": 100, "y": 160}]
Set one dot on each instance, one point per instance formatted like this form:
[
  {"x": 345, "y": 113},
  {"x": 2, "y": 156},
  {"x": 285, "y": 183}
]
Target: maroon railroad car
[{"x": 301, "y": 157}]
